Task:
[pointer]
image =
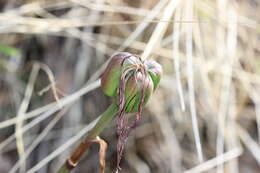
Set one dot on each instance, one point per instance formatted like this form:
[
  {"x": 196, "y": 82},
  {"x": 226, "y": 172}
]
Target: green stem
[
  {"x": 104, "y": 120},
  {"x": 102, "y": 123},
  {"x": 63, "y": 169}
]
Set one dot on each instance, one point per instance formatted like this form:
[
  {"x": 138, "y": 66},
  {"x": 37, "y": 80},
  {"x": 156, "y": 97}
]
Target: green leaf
[{"x": 8, "y": 50}]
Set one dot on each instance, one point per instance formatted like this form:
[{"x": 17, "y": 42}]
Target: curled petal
[
  {"x": 133, "y": 91},
  {"x": 155, "y": 71}
]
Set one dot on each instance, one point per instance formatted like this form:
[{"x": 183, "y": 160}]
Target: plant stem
[
  {"x": 63, "y": 169},
  {"x": 104, "y": 120}
]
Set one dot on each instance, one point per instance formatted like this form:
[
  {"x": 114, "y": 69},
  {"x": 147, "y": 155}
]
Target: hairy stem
[{"x": 104, "y": 120}]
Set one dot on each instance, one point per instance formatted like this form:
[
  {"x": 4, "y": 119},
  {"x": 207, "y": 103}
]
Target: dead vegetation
[{"x": 204, "y": 117}]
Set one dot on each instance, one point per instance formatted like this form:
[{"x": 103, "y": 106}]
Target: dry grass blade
[
  {"x": 46, "y": 114},
  {"x": 176, "y": 56},
  {"x": 52, "y": 81},
  {"x": 38, "y": 140},
  {"x": 54, "y": 106},
  {"x": 155, "y": 11},
  {"x": 227, "y": 82},
  {"x": 252, "y": 146},
  {"x": 30, "y": 125},
  {"x": 189, "y": 52},
  {"x": 22, "y": 110},
  {"x": 225, "y": 157},
  {"x": 112, "y": 8},
  {"x": 160, "y": 29},
  {"x": 63, "y": 147},
  {"x": 35, "y": 7}
]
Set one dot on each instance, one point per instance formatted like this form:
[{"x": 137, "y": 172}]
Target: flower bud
[
  {"x": 139, "y": 79},
  {"x": 131, "y": 81}
]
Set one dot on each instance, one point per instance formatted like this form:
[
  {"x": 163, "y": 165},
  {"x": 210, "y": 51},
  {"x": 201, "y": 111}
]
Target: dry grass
[{"x": 205, "y": 116}]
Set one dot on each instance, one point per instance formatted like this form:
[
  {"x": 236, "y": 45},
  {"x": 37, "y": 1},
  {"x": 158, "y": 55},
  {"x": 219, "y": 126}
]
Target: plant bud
[
  {"x": 139, "y": 79},
  {"x": 131, "y": 81}
]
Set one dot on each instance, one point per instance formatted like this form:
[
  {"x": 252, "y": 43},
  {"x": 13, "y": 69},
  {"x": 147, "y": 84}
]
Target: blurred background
[{"x": 204, "y": 117}]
